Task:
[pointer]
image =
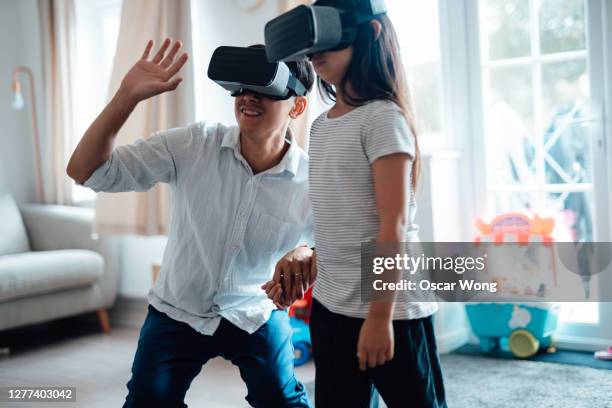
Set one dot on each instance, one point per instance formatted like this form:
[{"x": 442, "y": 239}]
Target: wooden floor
[{"x": 98, "y": 365}]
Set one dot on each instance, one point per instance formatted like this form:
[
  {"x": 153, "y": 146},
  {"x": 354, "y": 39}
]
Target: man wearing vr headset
[{"x": 240, "y": 202}]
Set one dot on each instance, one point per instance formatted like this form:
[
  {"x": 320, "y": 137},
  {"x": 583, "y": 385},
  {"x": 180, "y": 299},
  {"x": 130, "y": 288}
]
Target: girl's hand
[
  {"x": 376, "y": 344},
  {"x": 274, "y": 290},
  {"x": 150, "y": 78}
]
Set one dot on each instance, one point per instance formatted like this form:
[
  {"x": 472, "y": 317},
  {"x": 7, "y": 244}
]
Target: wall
[
  {"x": 213, "y": 27},
  {"x": 20, "y": 45}
]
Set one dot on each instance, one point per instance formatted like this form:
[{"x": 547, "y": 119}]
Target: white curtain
[
  {"x": 58, "y": 31},
  {"x": 147, "y": 213}
]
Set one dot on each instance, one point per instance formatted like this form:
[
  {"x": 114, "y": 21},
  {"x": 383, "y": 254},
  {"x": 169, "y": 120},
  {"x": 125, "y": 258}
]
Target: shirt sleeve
[
  {"x": 138, "y": 166},
  {"x": 387, "y": 133}
]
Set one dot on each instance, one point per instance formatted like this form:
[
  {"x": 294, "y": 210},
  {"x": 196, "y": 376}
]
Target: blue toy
[
  {"x": 523, "y": 329},
  {"x": 301, "y": 341}
]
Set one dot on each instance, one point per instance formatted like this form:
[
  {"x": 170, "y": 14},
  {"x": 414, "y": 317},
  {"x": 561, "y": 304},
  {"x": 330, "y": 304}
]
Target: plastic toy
[
  {"x": 301, "y": 341},
  {"x": 299, "y": 318},
  {"x": 604, "y": 354},
  {"x": 522, "y": 327}
]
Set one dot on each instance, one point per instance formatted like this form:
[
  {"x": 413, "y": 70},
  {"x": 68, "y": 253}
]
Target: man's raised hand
[{"x": 148, "y": 78}]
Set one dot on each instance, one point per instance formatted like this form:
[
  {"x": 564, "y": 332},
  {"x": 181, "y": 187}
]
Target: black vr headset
[
  {"x": 306, "y": 30},
  {"x": 239, "y": 69}
]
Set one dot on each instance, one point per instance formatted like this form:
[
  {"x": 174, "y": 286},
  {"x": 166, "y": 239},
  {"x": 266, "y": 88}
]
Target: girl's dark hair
[
  {"x": 376, "y": 72},
  {"x": 302, "y": 69}
]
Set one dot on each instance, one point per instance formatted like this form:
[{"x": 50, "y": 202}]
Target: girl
[{"x": 364, "y": 162}]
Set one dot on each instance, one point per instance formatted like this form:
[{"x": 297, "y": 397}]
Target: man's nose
[{"x": 252, "y": 96}]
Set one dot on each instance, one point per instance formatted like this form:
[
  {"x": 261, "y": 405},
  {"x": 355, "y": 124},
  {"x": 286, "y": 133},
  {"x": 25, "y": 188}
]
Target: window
[
  {"x": 97, "y": 29},
  {"x": 538, "y": 128},
  {"x": 536, "y": 102},
  {"x": 418, "y": 29}
]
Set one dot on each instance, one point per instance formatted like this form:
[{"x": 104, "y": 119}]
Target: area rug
[{"x": 482, "y": 382}]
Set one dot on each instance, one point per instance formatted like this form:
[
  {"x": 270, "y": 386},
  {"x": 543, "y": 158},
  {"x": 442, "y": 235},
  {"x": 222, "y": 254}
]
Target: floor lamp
[{"x": 17, "y": 104}]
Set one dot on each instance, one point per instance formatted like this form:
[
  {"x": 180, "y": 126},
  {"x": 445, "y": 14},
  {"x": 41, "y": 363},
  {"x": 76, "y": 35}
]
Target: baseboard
[
  {"x": 581, "y": 343},
  {"x": 128, "y": 312},
  {"x": 448, "y": 342}
]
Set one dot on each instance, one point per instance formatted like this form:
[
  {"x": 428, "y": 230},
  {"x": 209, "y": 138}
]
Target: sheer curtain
[
  {"x": 58, "y": 25},
  {"x": 147, "y": 213}
]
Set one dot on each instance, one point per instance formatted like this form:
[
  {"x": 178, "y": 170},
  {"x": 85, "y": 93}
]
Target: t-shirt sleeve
[
  {"x": 387, "y": 133},
  {"x": 139, "y": 166}
]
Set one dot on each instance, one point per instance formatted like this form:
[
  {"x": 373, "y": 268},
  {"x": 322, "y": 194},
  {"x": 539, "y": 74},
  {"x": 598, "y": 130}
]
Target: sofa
[{"x": 52, "y": 266}]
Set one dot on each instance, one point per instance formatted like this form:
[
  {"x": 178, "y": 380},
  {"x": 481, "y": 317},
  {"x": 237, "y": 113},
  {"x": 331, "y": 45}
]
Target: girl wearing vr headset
[{"x": 364, "y": 164}]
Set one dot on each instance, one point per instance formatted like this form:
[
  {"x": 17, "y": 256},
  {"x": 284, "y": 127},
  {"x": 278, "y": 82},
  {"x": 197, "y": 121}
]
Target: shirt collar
[{"x": 289, "y": 163}]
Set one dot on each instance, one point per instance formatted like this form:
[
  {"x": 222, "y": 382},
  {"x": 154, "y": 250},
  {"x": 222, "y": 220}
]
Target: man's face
[{"x": 257, "y": 114}]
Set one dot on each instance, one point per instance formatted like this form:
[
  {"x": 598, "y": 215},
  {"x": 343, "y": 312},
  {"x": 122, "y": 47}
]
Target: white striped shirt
[{"x": 342, "y": 151}]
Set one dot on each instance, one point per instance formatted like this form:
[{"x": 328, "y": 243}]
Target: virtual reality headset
[
  {"x": 306, "y": 30},
  {"x": 239, "y": 69}
]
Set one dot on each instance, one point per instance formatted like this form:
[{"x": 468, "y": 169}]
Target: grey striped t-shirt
[{"x": 342, "y": 151}]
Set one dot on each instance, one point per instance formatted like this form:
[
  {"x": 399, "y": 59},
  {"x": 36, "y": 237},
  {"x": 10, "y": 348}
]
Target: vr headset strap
[{"x": 296, "y": 86}]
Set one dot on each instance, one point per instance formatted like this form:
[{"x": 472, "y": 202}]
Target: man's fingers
[
  {"x": 170, "y": 85},
  {"x": 170, "y": 57},
  {"x": 278, "y": 271},
  {"x": 286, "y": 278},
  {"x": 305, "y": 277},
  {"x": 313, "y": 268},
  {"x": 177, "y": 65},
  {"x": 162, "y": 50},
  {"x": 273, "y": 292},
  {"x": 296, "y": 273},
  {"x": 277, "y": 295},
  {"x": 271, "y": 287},
  {"x": 145, "y": 54},
  {"x": 267, "y": 286}
]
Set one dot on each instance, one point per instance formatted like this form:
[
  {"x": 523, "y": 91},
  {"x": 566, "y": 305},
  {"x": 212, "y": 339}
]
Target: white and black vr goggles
[
  {"x": 306, "y": 30},
  {"x": 239, "y": 69}
]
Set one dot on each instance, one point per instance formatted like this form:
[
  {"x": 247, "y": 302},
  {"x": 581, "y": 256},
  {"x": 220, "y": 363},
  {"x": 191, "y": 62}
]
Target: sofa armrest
[{"x": 52, "y": 227}]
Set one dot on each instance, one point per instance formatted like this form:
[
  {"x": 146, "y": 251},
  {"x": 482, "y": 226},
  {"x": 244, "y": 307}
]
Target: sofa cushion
[
  {"x": 13, "y": 239},
  {"x": 34, "y": 273}
]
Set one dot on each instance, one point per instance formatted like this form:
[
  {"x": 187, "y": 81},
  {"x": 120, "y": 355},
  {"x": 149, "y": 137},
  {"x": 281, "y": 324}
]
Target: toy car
[
  {"x": 523, "y": 329},
  {"x": 301, "y": 341}
]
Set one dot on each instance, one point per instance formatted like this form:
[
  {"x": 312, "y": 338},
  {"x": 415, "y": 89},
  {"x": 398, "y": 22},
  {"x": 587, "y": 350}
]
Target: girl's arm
[{"x": 392, "y": 189}]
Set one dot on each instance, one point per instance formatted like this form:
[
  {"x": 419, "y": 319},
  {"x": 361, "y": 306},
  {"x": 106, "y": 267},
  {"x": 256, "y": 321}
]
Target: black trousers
[{"x": 412, "y": 379}]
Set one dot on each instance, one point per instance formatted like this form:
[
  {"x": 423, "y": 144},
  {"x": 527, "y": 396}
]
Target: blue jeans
[{"x": 170, "y": 354}]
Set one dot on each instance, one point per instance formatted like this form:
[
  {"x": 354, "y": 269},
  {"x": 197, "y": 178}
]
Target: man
[{"x": 240, "y": 202}]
